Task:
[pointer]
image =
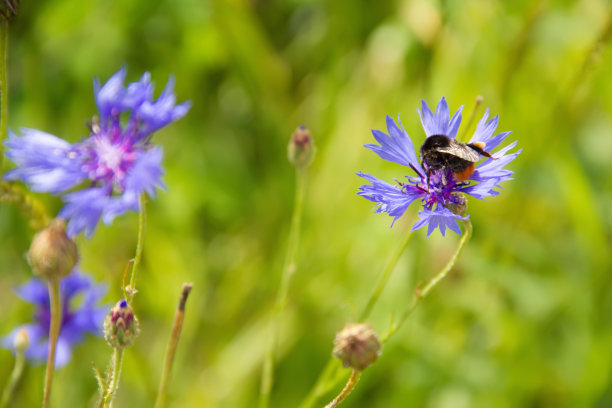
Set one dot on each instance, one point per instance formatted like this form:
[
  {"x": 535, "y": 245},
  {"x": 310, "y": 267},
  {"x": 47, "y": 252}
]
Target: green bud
[
  {"x": 21, "y": 342},
  {"x": 301, "y": 148},
  {"x": 121, "y": 326},
  {"x": 52, "y": 254},
  {"x": 356, "y": 346}
]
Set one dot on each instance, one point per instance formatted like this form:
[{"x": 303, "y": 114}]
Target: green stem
[
  {"x": 54, "y": 329},
  {"x": 332, "y": 373},
  {"x": 15, "y": 376},
  {"x": 420, "y": 294},
  {"x": 4, "y": 35},
  {"x": 289, "y": 269},
  {"x": 130, "y": 291},
  {"x": 115, "y": 374},
  {"x": 350, "y": 385},
  {"x": 179, "y": 316},
  {"x": 382, "y": 281}
]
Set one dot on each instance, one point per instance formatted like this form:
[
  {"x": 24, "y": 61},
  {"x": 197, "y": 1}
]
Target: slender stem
[
  {"x": 289, "y": 269},
  {"x": 420, "y": 294},
  {"x": 131, "y": 290},
  {"x": 4, "y": 35},
  {"x": 471, "y": 119},
  {"x": 171, "y": 350},
  {"x": 332, "y": 373},
  {"x": 115, "y": 374},
  {"x": 54, "y": 329},
  {"x": 382, "y": 281},
  {"x": 352, "y": 382},
  {"x": 15, "y": 376}
]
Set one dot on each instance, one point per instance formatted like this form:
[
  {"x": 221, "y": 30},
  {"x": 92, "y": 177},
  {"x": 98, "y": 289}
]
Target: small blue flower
[
  {"x": 117, "y": 160},
  {"x": 78, "y": 318},
  {"x": 444, "y": 189}
]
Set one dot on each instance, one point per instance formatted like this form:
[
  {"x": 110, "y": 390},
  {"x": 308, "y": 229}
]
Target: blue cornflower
[
  {"x": 444, "y": 191},
  {"x": 78, "y": 318},
  {"x": 117, "y": 160}
]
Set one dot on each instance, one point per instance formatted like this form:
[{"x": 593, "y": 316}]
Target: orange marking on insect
[
  {"x": 465, "y": 174},
  {"x": 479, "y": 144}
]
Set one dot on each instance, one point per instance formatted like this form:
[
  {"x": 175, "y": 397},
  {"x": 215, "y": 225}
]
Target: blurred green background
[{"x": 522, "y": 321}]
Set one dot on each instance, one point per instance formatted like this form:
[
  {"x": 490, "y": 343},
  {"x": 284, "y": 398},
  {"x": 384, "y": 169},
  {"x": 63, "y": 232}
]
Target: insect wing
[{"x": 461, "y": 151}]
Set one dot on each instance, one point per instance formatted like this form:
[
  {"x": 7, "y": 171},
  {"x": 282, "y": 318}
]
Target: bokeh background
[{"x": 522, "y": 321}]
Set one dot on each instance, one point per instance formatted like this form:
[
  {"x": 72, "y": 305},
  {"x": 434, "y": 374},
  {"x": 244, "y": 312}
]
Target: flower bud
[
  {"x": 458, "y": 204},
  {"x": 301, "y": 148},
  {"x": 21, "y": 342},
  {"x": 52, "y": 254},
  {"x": 356, "y": 346},
  {"x": 121, "y": 326}
]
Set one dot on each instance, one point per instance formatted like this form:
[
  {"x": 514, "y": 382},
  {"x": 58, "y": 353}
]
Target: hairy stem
[
  {"x": 420, "y": 294},
  {"x": 54, "y": 329},
  {"x": 333, "y": 372},
  {"x": 117, "y": 360},
  {"x": 171, "y": 350},
  {"x": 352, "y": 382},
  {"x": 130, "y": 291},
  {"x": 382, "y": 281},
  {"x": 289, "y": 269}
]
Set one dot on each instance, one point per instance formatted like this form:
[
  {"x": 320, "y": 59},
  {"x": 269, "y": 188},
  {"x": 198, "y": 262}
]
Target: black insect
[{"x": 442, "y": 152}]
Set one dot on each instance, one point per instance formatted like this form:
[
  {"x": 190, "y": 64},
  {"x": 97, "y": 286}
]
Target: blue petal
[
  {"x": 34, "y": 291},
  {"x": 439, "y": 218},
  {"x": 390, "y": 199},
  {"x": 83, "y": 210},
  {"x": 73, "y": 284},
  {"x": 145, "y": 176},
  {"x": 396, "y": 147},
  {"x": 45, "y": 162},
  {"x": 427, "y": 119},
  {"x": 107, "y": 96},
  {"x": 162, "y": 112},
  {"x": 440, "y": 123},
  {"x": 63, "y": 352},
  {"x": 80, "y": 318},
  {"x": 442, "y": 117}
]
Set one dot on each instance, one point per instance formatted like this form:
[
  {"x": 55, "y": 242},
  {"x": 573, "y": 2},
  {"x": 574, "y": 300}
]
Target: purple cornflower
[
  {"x": 117, "y": 160},
  {"x": 78, "y": 318},
  {"x": 444, "y": 190}
]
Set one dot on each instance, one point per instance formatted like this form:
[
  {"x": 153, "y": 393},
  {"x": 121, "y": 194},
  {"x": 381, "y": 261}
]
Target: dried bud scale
[
  {"x": 121, "y": 326},
  {"x": 357, "y": 346}
]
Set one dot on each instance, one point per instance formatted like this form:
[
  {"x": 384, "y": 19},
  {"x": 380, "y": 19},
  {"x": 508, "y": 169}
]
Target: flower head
[
  {"x": 439, "y": 190},
  {"x": 77, "y": 318},
  {"x": 117, "y": 160},
  {"x": 52, "y": 254},
  {"x": 357, "y": 346},
  {"x": 121, "y": 326},
  {"x": 301, "y": 148}
]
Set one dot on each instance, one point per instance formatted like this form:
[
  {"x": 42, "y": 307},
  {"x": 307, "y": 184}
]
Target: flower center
[{"x": 110, "y": 159}]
